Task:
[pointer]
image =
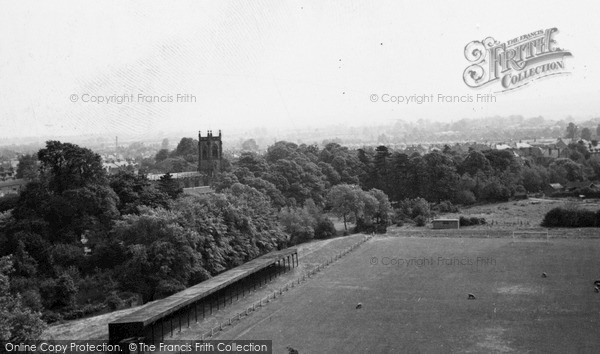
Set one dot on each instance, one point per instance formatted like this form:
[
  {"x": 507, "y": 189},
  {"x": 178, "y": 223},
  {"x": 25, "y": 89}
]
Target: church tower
[{"x": 210, "y": 154}]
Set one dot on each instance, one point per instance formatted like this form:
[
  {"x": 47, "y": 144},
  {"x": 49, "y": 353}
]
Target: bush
[
  {"x": 445, "y": 206},
  {"x": 66, "y": 290},
  {"x": 414, "y": 207},
  {"x": 464, "y": 221},
  {"x": 420, "y": 220},
  {"x": 8, "y": 202},
  {"x": 324, "y": 228},
  {"x": 51, "y": 316},
  {"x": 381, "y": 228},
  {"x": 400, "y": 223},
  {"x": 48, "y": 292},
  {"x": 495, "y": 191},
  {"x": 465, "y": 197},
  {"x": 32, "y": 299},
  {"x": 362, "y": 226},
  {"x": 114, "y": 302},
  {"x": 560, "y": 217}
]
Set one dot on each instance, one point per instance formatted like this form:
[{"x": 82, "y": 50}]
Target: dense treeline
[{"x": 77, "y": 241}]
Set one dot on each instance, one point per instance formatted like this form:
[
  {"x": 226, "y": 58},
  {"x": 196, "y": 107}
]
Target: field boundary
[
  {"x": 281, "y": 291},
  {"x": 584, "y": 233}
]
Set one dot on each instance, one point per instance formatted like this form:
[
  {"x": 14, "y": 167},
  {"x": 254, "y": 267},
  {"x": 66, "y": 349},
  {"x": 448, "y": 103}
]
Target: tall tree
[
  {"x": 572, "y": 131},
  {"x": 170, "y": 186},
  {"x": 586, "y": 134},
  {"x": 68, "y": 166},
  {"x": 28, "y": 167},
  {"x": 344, "y": 200}
]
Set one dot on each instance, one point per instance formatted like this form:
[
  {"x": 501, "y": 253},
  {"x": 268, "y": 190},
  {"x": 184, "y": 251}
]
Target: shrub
[
  {"x": 420, "y": 220},
  {"x": 66, "y": 290},
  {"x": 51, "y": 316},
  {"x": 414, "y": 207},
  {"x": 48, "y": 292},
  {"x": 32, "y": 299},
  {"x": 465, "y": 197},
  {"x": 362, "y": 226},
  {"x": 445, "y": 206},
  {"x": 380, "y": 228},
  {"x": 8, "y": 202},
  {"x": 561, "y": 217},
  {"x": 464, "y": 221},
  {"x": 495, "y": 191},
  {"x": 400, "y": 223},
  {"x": 113, "y": 301},
  {"x": 324, "y": 228}
]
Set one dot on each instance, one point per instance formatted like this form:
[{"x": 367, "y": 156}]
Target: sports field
[{"x": 414, "y": 296}]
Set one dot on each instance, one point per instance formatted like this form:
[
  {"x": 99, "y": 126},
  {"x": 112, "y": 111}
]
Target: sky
[{"x": 285, "y": 64}]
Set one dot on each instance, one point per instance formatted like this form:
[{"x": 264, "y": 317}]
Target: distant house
[
  {"x": 8, "y": 174},
  {"x": 532, "y": 151},
  {"x": 176, "y": 175},
  {"x": 198, "y": 190},
  {"x": 553, "y": 188},
  {"x": 520, "y": 195},
  {"x": 572, "y": 186},
  {"x": 446, "y": 224},
  {"x": 13, "y": 186}
]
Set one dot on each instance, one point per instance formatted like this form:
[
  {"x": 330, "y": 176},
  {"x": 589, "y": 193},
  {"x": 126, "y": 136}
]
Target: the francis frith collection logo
[{"x": 514, "y": 63}]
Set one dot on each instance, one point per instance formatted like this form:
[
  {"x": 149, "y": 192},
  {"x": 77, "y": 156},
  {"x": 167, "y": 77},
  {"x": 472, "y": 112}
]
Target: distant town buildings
[{"x": 12, "y": 186}]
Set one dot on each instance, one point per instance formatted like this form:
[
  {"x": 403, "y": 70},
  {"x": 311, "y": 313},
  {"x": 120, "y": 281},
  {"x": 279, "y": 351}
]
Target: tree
[
  {"x": 250, "y": 145},
  {"x": 71, "y": 195},
  {"x": 28, "y": 167},
  {"x": 384, "y": 208},
  {"x": 564, "y": 170},
  {"x": 586, "y": 134},
  {"x": 188, "y": 149},
  {"x": 501, "y": 160},
  {"x": 68, "y": 166},
  {"x": 161, "y": 253},
  {"x": 495, "y": 191},
  {"x": 18, "y": 323},
  {"x": 187, "y": 146},
  {"x": 66, "y": 291},
  {"x": 135, "y": 190},
  {"x": 473, "y": 163},
  {"x": 572, "y": 131},
  {"x": 534, "y": 178},
  {"x": 169, "y": 186},
  {"x": 161, "y": 155},
  {"x": 298, "y": 223},
  {"x": 281, "y": 150},
  {"x": 344, "y": 200}
]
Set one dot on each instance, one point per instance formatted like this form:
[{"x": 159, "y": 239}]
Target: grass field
[
  {"x": 412, "y": 308},
  {"x": 520, "y": 214}
]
